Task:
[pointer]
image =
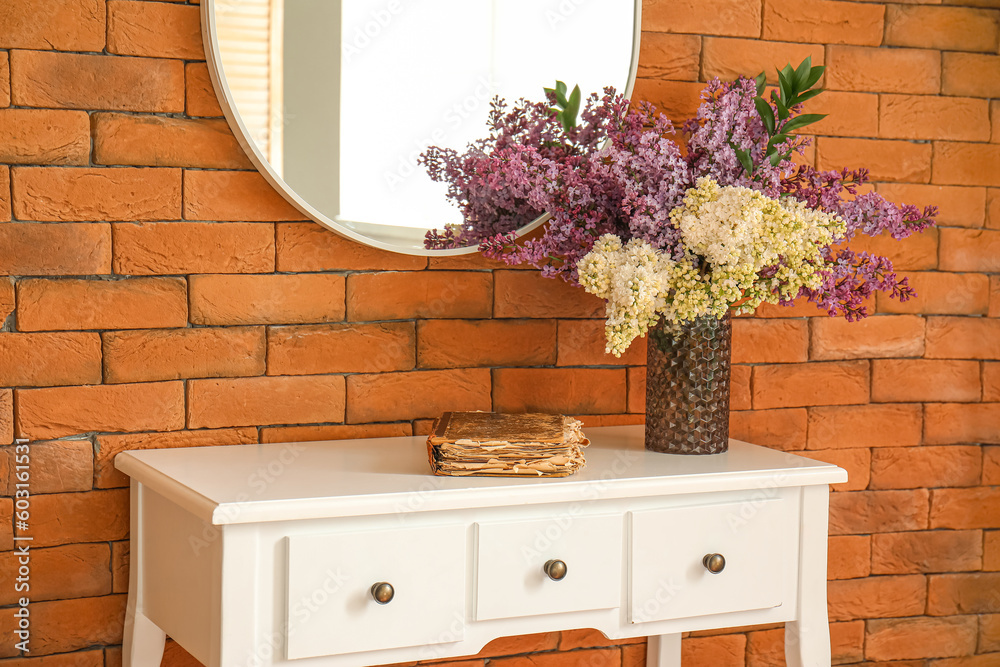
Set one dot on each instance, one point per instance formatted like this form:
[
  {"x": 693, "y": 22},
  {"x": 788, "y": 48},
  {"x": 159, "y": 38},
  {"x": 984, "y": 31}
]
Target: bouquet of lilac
[{"x": 660, "y": 232}]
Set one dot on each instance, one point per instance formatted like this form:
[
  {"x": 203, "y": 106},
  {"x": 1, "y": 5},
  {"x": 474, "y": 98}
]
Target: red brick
[
  {"x": 847, "y": 114},
  {"x": 925, "y": 467},
  {"x": 138, "y": 303},
  {"x": 398, "y": 396},
  {"x": 6, "y": 524},
  {"x": 109, "y": 446},
  {"x": 780, "y": 429},
  {"x": 963, "y": 338},
  {"x": 823, "y": 22},
  {"x": 957, "y": 163},
  {"x": 877, "y": 597},
  {"x": 72, "y": 518},
  {"x": 849, "y": 556},
  {"x": 430, "y": 294},
  {"x": 766, "y": 648},
  {"x": 146, "y": 356},
  {"x": 565, "y": 390},
  {"x": 712, "y": 17},
  {"x": 233, "y": 195},
  {"x": 470, "y": 261},
  {"x": 948, "y": 423},
  {"x": 583, "y": 343},
  {"x": 6, "y": 297},
  {"x": 306, "y": 246},
  {"x": 58, "y": 466},
  {"x": 334, "y": 432},
  {"x": 883, "y": 336},
  {"x": 945, "y": 28},
  {"x": 542, "y": 641},
  {"x": 993, "y": 201},
  {"x": 857, "y": 463},
  {"x": 267, "y": 299},
  {"x": 6, "y": 416},
  {"x": 4, "y": 79},
  {"x": 262, "y": 401},
  {"x": 895, "y": 639},
  {"x": 63, "y": 25},
  {"x": 68, "y": 625},
  {"x": 952, "y": 594},
  {"x": 994, "y": 296},
  {"x": 863, "y": 512},
  {"x": 58, "y": 573},
  {"x": 5, "y": 212},
  {"x": 159, "y": 141},
  {"x": 30, "y": 249},
  {"x": 154, "y": 29},
  {"x": 90, "y": 82},
  {"x": 926, "y": 117},
  {"x": 636, "y": 380},
  {"x": 731, "y": 58},
  {"x": 174, "y": 655},
  {"x": 919, "y": 380},
  {"x": 476, "y": 343},
  {"x": 591, "y": 658},
  {"x": 341, "y": 348},
  {"x": 966, "y": 508},
  {"x": 865, "y": 426},
  {"x": 760, "y": 341},
  {"x": 717, "y": 651},
  {"x": 991, "y": 381},
  {"x": 970, "y": 250},
  {"x": 107, "y": 194},
  {"x": 927, "y": 551},
  {"x": 665, "y": 56},
  {"x": 594, "y": 421},
  {"x": 739, "y": 388},
  {"x": 528, "y": 294},
  {"x": 991, "y": 551},
  {"x": 942, "y": 294},
  {"x": 677, "y": 100},
  {"x": 886, "y": 160},
  {"x": 199, "y": 94},
  {"x": 164, "y": 248},
  {"x": 37, "y": 136},
  {"x": 62, "y": 411},
  {"x": 915, "y": 71},
  {"x": 49, "y": 359},
  {"x": 970, "y": 74},
  {"x": 983, "y": 660},
  {"x": 989, "y": 632},
  {"x": 958, "y": 206},
  {"x": 797, "y": 385},
  {"x": 918, "y": 252}
]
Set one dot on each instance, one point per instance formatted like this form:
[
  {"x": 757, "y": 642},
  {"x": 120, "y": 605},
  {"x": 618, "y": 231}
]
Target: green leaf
[
  {"x": 814, "y": 74},
  {"x": 766, "y": 114},
  {"x": 802, "y": 74},
  {"x": 761, "y": 82},
  {"x": 808, "y": 95},
  {"x": 744, "y": 158},
  {"x": 776, "y": 159},
  {"x": 572, "y": 109},
  {"x": 786, "y": 88},
  {"x": 782, "y": 109},
  {"x": 561, "y": 87},
  {"x": 802, "y": 121}
]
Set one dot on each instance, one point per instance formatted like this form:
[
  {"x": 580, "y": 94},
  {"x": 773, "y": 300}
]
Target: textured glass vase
[{"x": 687, "y": 388}]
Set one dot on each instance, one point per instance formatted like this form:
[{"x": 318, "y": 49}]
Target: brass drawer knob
[
  {"x": 714, "y": 563},
  {"x": 383, "y": 592},
  {"x": 555, "y": 569}
]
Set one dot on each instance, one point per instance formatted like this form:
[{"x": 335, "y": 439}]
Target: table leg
[
  {"x": 664, "y": 651},
  {"x": 807, "y": 638},
  {"x": 143, "y": 640}
]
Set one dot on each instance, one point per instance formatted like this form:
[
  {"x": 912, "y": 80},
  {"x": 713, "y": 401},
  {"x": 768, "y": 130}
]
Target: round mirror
[{"x": 335, "y": 100}]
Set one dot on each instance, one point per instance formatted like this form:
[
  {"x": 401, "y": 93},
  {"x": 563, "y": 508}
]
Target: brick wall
[{"x": 160, "y": 295}]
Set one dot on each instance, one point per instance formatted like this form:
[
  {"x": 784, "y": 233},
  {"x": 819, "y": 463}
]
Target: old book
[{"x": 504, "y": 445}]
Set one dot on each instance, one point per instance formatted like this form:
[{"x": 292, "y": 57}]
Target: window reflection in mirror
[{"x": 340, "y": 98}]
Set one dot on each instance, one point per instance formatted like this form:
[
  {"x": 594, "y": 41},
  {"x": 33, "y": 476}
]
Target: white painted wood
[
  {"x": 669, "y": 578},
  {"x": 330, "y": 605},
  {"x": 511, "y": 555},
  {"x": 143, "y": 640},
  {"x": 807, "y": 638},
  {"x": 263, "y": 500},
  {"x": 664, "y": 651}
]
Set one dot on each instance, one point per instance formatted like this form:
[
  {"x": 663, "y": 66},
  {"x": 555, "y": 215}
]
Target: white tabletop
[{"x": 273, "y": 482}]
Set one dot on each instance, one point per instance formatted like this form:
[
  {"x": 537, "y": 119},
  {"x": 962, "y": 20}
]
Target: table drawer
[
  {"x": 669, "y": 578},
  {"x": 331, "y": 608},
  {"x": 511, "y": 557}
]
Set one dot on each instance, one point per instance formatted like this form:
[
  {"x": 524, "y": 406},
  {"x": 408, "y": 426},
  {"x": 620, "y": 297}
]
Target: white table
[{"x": 268, "y": 555}]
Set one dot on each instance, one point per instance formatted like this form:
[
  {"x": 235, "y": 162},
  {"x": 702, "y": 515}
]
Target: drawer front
[
  {"x": 330, "y": 605},
  {"x": 511, "y": 557},
  {"x": 669, "y": 578}
]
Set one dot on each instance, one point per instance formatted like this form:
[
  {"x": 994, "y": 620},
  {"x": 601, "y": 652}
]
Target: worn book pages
[{"x": 502, "y": 445}]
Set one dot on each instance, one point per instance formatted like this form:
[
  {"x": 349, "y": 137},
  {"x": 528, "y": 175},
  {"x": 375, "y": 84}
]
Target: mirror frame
[{"x": 213, "y": 59}]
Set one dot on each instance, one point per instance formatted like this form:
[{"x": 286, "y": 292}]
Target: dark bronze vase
[{"x": 687, "y": 388}]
